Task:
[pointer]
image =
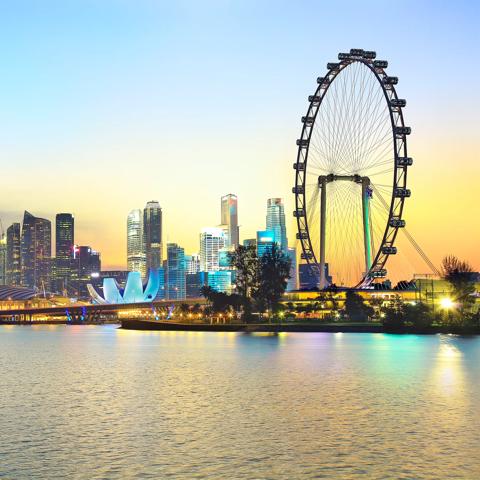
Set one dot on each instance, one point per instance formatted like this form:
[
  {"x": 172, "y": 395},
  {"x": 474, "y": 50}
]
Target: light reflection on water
[{"x": 97, "y": 402}]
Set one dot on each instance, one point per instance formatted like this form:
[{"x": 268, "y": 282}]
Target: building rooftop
[{"x": 8, "y": 292}]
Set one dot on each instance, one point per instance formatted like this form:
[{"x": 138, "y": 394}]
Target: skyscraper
[
  {"x": 192, "y": 263},
  {"x": 3, "y": 259},
  {"x": 152, "y": 234},
  {"x": 13, "y": 255},
  {"x": 88, "y": 267},
  {"x": 64, "y": 241},
  {"x": 36, "y": 251},
  {"x": 211, "y": 241},
  {"x": 176, "y": 288},
  {"x": 276, "y": 222},
  {"x": 136, "y": 261},
  {"x": 221, "y": 281},
  {"x": 229, "y": 220},
  {"x": 265, "y": 241},
  {"x": 194, "y": 284}
]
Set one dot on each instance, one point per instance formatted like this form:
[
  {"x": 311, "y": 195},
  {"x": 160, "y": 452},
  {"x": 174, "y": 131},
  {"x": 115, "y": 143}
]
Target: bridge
[{"x": 95, "y": 313}]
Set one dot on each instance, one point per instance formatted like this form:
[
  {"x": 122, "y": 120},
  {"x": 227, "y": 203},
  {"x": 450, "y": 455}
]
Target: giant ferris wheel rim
[{"x": 399, "y": 141}]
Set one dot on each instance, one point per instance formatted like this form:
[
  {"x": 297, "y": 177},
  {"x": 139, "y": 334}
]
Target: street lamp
[{"x": 447, "y": 303}]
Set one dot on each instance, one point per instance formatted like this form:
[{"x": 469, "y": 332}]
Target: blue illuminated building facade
[
  {"x": 220, "y": 280},
  {"x": 276, "y": 222},
  {"x": 265, "y": 242},
  {"x": 175, "y": 273},
  {"x": 162, "y": 291}
]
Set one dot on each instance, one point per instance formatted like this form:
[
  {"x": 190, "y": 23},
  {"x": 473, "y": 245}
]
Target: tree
[
  {"x": 458, "y": 274},
  {"x": 355, "y": 307},
  {"x": 399, "y": 314},
  {"x": 392, "y": 314},
  {"x": 273, "y": 274},
  {"x": 245, "y": 262},
  {"x": 418, "y": 314},
  {"x": 376, "y": 303},
  {"x": 184, "y": 308},
  {"x": 221, "y": 302}
]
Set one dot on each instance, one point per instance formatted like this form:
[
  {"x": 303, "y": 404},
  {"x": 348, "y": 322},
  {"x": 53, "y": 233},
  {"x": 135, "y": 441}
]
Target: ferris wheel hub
[{"x": 322, "y": 179}]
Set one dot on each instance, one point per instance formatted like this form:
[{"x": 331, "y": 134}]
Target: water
[{"x": 88, "y": 402}]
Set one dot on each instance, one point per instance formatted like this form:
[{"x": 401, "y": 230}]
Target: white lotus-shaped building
[{"x": 134, "y": 292}]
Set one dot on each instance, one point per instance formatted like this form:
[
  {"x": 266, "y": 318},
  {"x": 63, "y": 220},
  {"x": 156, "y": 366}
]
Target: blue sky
[{"x": 114, "y": 103}]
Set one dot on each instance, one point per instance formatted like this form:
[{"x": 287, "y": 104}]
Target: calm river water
[{"x": 83, "y": 402}]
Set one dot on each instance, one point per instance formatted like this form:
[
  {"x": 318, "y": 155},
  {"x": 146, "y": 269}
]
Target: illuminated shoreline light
[{"x": 447, "y": 303}]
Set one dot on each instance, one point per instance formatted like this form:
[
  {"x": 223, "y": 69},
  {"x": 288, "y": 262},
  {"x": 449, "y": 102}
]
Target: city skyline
[{"x": 137, "y": 97}]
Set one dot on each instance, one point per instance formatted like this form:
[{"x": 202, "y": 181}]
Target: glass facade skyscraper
[
  {"x": 13, "y": 255},
  {"x": 88, "y": 266},
  {"x": 265, "y": 241},
  {"x": 36, "y": 251},
  {"x": 64, "y": 241},
  {"x": 229, "y": 220},
  {"x": 176, "y": 287},
  {"x": 276, "y": 222},
  {"x": 136, "y": 261},
  {"x": 195, "y": 282},
  {"x": 221, "y": 281},
  {"x": 152, "y": 234},
  {"x": 211, "y": 241}
]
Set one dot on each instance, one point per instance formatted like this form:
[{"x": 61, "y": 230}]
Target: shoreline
[
  {"x": 308, "y": 327},
  {"x": 134, "y": 324}
]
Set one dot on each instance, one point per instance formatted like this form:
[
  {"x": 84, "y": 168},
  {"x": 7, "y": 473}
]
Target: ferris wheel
[{"x": 351, "y": 172}]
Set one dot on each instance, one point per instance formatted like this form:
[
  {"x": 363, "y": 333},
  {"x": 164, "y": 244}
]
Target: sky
[{"x": 107, "y": 104}]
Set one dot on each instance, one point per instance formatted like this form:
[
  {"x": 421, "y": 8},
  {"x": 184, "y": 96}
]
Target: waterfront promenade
[{"x": 292, "y": 326}]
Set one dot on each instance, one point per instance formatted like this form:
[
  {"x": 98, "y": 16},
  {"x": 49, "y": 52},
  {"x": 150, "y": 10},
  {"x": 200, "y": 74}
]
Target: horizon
[{"x": 166, "y": 101}]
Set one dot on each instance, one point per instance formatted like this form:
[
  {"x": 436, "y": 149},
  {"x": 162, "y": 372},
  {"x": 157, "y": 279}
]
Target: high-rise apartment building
[
  {"x": 64, "y": 241},
  {"x": 211, "y": 241},
  {"x": 276, "y": 222},
  {"x": 3, "y": 259},
  {"x": 192, "y": 263},
  {"x": 175, "y": 273},
  {"x": 229, "y": 220},
  {"x": 36, "y": 251},
  {"x": 152, "y": 234},
  {"x": 14, "y": 255},
  {"x": 136, "y": 261}
]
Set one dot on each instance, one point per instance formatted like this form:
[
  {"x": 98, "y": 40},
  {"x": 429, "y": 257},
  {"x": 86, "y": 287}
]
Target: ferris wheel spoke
[
  {"x": 376, "y": 136},
  {"x": 372, "y": 131},
  {"x": 382, "y": 151}
]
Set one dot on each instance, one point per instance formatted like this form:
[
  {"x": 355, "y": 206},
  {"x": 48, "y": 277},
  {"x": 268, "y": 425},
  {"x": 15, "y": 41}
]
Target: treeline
[
  {"x": 455, "y": 314},
  {"x": 260, "y": 283}
]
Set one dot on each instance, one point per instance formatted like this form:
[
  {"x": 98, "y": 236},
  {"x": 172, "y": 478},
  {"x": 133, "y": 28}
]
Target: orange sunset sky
[{"x": 116, "y": 103}]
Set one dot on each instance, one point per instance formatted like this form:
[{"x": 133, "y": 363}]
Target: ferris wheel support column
[
  {"x": 367, "y": 236},
  {"x": 322, "y": 183}
]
